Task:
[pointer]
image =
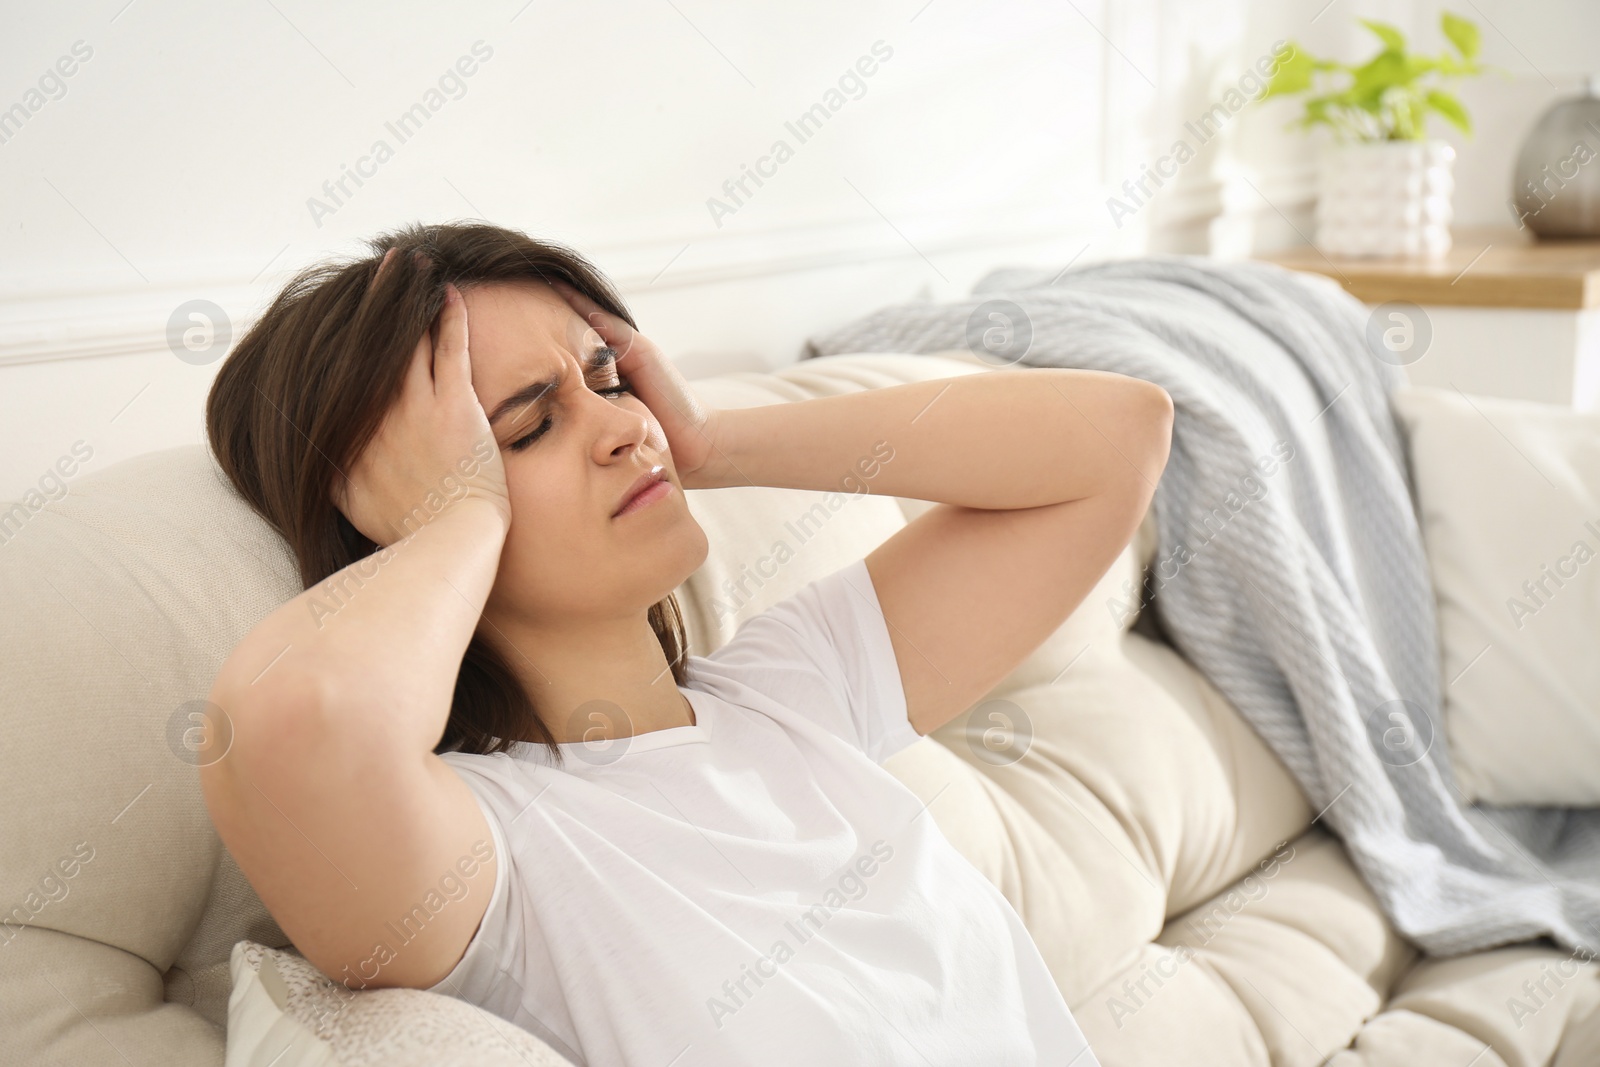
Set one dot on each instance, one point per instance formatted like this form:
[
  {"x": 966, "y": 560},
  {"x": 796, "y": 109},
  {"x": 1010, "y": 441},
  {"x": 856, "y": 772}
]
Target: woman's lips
[{"x": 653, "y": 492}]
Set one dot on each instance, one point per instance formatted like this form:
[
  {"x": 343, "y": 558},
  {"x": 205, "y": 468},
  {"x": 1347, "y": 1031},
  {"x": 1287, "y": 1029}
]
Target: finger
[
  {"x": 626, "y": 340},
  {"x": 611, "y": 329},
  {"x": 452, "y": 366},
  {"x": 377, "y": 275},
  {"x": 419, "y": 372},
  {"x": 419, "y": 375},
  {"x": 580, "y": 303}
]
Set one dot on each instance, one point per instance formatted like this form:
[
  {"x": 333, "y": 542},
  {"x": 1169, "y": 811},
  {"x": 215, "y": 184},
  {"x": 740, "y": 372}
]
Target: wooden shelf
[{"x": 1487, "y": 267}]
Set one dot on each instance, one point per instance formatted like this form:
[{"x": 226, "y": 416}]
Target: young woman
[{"x": 474, "y": 755}]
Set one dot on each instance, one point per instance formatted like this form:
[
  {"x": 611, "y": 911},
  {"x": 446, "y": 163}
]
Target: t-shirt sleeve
[
  {"x": 499, "y": 950},
  {"x": 471, "y": 978},
  {"x": 824, "y": 652}
]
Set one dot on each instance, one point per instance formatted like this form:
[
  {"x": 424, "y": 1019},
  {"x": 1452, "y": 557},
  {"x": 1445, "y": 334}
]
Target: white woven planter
[{"x": 1386, "y": 198}]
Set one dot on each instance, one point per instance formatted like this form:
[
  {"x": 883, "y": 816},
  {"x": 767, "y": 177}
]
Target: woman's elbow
[
  {"x": 1162, "y": 417},
  {"x": 1149, "y": 426}
]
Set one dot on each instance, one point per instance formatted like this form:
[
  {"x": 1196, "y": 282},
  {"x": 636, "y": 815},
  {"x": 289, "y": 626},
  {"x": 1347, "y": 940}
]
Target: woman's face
[{"x": 571, "y": 454}]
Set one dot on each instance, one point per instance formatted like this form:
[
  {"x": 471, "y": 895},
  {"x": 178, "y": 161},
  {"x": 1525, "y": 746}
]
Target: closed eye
[
  {"x": 600, "y": 361},
  {"x": 529, "y": 438}
]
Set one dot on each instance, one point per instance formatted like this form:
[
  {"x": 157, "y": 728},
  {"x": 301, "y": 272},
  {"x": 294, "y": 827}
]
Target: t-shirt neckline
[{"x": 601, "y": 753}]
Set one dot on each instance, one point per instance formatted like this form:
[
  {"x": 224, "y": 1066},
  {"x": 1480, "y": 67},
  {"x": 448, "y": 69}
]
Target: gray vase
[{"x": 1555, "y": 189}]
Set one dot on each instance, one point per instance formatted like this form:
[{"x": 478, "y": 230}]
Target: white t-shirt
[{"x": 754, "y": 888}]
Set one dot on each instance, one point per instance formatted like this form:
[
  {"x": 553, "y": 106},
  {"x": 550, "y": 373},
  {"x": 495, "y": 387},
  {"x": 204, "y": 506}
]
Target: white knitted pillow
[{"x": 285, "y": 1012}]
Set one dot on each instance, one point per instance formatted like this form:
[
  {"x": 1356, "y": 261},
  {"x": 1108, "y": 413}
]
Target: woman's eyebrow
[{"x": 533, "y": 392}]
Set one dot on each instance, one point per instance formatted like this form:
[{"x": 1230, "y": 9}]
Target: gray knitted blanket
[{"x": 1291, "y": 569}]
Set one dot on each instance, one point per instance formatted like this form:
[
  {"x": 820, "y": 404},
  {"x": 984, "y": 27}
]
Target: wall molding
[{"x": 45, "y": 327}]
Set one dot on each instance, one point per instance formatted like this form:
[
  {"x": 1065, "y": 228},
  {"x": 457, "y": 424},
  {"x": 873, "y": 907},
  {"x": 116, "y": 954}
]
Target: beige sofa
[{"x": 1182, "y": 891}]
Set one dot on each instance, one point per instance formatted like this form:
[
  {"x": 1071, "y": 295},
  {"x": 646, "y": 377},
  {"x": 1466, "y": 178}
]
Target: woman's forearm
[
  {"x": 378, "y": 643},
  {"x": 1013, "y": 438}
]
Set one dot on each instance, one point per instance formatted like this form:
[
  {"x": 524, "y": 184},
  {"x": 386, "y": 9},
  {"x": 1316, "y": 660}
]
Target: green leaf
[
  {"x": 1448, "y": 106},
  {"x": 1417, "y": 66},
  {"x": 1462, "y": 33},
  {"x": 1388, "y": 96},
  {"x": 1383, "y": 72},
  {"x": 1292, "y": 76},
  {"x": 1391, "y": 37}
]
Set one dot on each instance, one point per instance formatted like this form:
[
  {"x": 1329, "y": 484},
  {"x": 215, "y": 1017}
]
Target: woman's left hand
[{"x": 689, "y": 426}]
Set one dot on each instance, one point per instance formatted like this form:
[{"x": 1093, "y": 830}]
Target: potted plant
[{"x": 1385, "y": 185}]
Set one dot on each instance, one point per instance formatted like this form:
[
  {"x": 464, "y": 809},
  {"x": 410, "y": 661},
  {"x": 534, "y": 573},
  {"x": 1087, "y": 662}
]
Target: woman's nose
[{"x": 621, "y": 425}]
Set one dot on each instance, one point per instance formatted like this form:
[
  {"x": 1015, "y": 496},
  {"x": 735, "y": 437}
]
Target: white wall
[{"x": 179, "y": 162}]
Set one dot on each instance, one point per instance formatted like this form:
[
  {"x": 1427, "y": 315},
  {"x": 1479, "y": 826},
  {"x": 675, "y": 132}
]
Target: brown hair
[{"x": 307, "y": 386}]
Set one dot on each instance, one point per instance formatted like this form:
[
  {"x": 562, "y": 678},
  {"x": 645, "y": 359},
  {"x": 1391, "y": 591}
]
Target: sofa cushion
[
  {"x": 1281, "y": 968},
  {"x": 1509, "y": 496},
  {"x": 1515, "y": 1006}
]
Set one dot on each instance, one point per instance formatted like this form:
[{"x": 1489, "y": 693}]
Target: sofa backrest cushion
[
  {"x": 123, "y": 598},
  {"x": 1508, "y": 493}
]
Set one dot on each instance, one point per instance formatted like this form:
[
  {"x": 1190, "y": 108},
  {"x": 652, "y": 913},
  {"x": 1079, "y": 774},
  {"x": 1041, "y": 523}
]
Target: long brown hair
[{"x": 308, "y": 385}]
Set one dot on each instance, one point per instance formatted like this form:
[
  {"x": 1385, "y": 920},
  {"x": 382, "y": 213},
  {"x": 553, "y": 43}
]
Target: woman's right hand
[{"x": 434, "y": 446}]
